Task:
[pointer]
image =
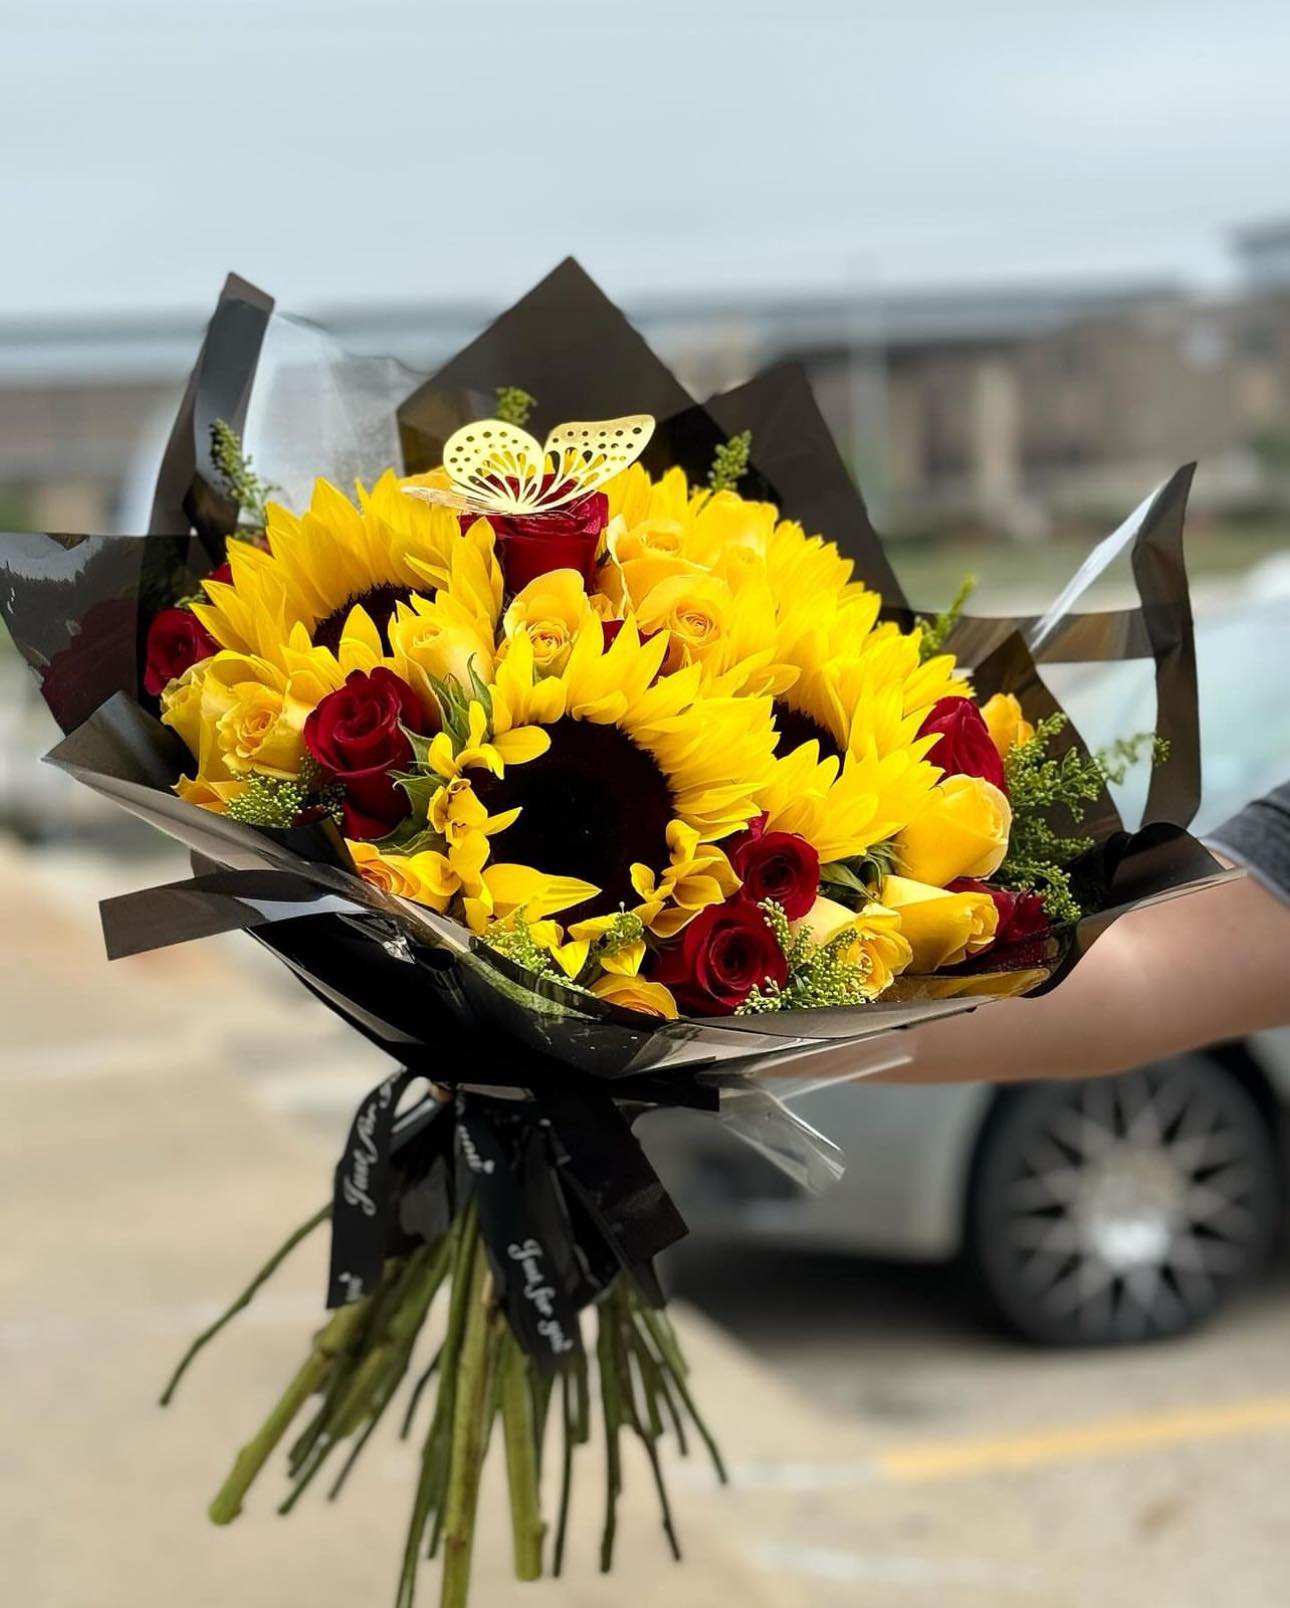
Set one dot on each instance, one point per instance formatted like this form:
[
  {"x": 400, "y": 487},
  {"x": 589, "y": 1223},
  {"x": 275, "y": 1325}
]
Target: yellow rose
[
  {"x": 941, "y": 928},
  {"x": 876, "y": 937},
  {"x": 261, "y": 731},
  {"x": 439, "y": 638},
  {"x": 1006, "y": 723},
  {"x": 388, "y": 872},
  {"x": 628, "y": 582},
  {"x": 635, "y": 994},
  {"x": 249, "y": 718},
  {"x": 960, "y": 831},
  {"x": 207, "y": 795},
  {"x": 694, "y": 610},
  {"x": 181, "y": 707},
  {"x": 649, "y": 536},
  {"x": 724, "y": 521},
  {"x": 426, "y": 877},
  {"x": 549, "y": 610}
]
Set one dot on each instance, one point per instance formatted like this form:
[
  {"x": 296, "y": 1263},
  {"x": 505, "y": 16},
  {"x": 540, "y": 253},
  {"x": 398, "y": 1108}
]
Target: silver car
[{"x": 1090, "y": 1212}]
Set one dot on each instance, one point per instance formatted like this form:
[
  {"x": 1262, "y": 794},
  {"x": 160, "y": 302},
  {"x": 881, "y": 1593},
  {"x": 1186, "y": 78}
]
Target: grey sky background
[{"x": 378, "y": 150}]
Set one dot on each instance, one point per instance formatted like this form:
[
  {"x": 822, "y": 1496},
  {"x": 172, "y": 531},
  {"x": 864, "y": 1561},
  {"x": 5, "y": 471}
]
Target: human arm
[
  {"x": 1168, "y": 977},
  {"x": 1165, "y": 978}
]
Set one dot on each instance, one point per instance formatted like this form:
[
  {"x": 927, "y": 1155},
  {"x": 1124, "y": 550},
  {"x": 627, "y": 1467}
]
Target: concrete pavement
[{"x": 883, "y": 1452}]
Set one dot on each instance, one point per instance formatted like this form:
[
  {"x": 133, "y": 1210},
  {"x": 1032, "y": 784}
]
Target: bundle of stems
[{"x": 478, "y": 1374}]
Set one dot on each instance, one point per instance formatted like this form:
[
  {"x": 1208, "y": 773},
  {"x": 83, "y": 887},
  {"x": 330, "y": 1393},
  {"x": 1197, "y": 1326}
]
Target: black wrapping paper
[
  {"x": 548, "y": 1079},
  {"x": 190, "y": 494}
]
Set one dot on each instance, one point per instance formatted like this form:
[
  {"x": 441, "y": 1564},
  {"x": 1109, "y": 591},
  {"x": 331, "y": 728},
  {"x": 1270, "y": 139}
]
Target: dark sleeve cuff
[{"x": 1258, "y": 839}]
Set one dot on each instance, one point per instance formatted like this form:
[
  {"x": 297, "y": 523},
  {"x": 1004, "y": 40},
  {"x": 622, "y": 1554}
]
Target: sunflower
[
  {"x": 861, "y": 684},
  {"x": 738, "y": 587},
  {"x": 763, "y": 608},
  {"x": 624, "y": 778},
  {"x": 346, "y": 579}
]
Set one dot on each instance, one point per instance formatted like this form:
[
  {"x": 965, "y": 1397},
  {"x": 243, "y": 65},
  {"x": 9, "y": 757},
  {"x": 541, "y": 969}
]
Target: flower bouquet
[{"x": 584, "y": 773}]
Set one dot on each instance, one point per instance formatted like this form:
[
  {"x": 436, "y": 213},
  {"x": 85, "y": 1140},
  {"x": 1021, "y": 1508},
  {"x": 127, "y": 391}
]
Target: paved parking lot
[
  {"x": 1151, "y": 1474},
  {"x": 886, "y": 1450}
]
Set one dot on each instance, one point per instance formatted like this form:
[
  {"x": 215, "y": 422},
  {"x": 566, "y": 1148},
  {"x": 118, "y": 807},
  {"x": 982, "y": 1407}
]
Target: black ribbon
[
  {"x": 567, "y": 1198},
  {"x": 530, "y": 1264},
  {"x": 361, "y": 1195}
]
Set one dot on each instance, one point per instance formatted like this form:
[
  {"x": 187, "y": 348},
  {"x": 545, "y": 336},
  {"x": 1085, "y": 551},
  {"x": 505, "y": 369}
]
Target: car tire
[{"x": 1122, "y": 1209}]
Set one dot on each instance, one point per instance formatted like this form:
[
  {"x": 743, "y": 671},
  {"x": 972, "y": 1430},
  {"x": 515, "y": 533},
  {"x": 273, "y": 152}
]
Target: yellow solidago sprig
[
  {"x": 839, "y": 970},
  {"x": 730, "y": 462},
  {"x": 598, "y": 957},
  {"x": 247, "y": 489},
  {"x": 1039, "y": 857}
]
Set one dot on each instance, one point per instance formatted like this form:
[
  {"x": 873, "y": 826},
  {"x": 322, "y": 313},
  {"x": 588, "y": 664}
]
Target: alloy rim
[{"x": 1133, "y": 1205}]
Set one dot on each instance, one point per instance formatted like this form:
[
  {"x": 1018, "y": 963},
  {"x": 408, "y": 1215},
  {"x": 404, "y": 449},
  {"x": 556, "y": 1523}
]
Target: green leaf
[
  {"x": 420, "y": 745},
  {"x": 479, "y": 689},
  {"x": 858, "y": 881},
  {"x": 411, "y": 837},
  {"x": 421, "y": 788},
  {"x": 844, "y": 885}
]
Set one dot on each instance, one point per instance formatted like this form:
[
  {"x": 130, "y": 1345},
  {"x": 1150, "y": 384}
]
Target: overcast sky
[{"x": 351, "y": 150}]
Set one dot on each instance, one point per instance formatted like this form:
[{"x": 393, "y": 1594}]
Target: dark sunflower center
[
  {"x": 379, "y": 601},
  {"x": 592, "y": 806},
  {"x": 795, "y": 728}
]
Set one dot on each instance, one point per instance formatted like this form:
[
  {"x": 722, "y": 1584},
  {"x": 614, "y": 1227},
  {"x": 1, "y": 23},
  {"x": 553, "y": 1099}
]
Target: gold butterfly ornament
[{"x": 497, "y": 468}]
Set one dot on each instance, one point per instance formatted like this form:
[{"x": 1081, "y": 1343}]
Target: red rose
[
  {"x": 1023, "y": 921},
  {"x": 224, "y": 574},
  {"x": 529, "y": 545},
  {"x": 965, "y": 746},
  {"x": 724, "y": 953},
  {"x": 776, "y": 865},
  {"x": 177, "y": 640},
  {"x": 356, "y": 735}
]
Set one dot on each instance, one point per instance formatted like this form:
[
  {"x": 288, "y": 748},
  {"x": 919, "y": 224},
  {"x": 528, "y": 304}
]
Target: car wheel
[{"x": 1122, "y": 1209}]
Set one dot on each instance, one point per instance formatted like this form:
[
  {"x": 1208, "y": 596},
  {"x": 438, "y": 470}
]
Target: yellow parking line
[{"x": 944, "y": 1460}]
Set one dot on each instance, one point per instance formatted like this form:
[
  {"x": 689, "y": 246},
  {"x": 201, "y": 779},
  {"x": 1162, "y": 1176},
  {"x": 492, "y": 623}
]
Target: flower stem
[
  {"x": 310, "y": 1377},
  {"x": 569, "y": 1427},
  {"x": 428, "y": 1500},
  {"x": 659, "y": 1330},
  {"x": 627, "y": 1343},
  {"x": 519, "y": 1423},
  {"x": 611, "y": 1403},
  {"x": 469, "y": 1434},
  {"x": 244, "y": 1300}
]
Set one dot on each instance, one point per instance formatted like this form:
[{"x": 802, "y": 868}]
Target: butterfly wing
[
  {"x": 498, "y": 466},
  {"x": 448, "y": 497},
  {"x": 584, "y": 455}
]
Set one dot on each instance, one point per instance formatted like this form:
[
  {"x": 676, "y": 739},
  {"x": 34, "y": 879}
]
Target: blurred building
[{"x": 1007, "y": 410}]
